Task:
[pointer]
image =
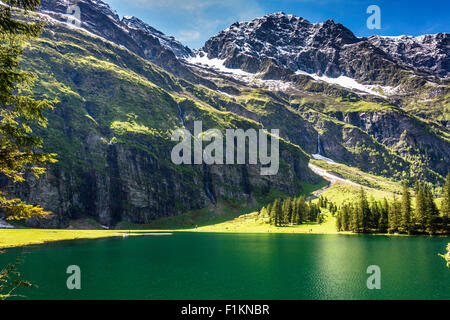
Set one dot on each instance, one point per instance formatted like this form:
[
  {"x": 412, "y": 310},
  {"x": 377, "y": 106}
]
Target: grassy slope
[
  {"x": 360, "y": 177},
  {"x": 251, "y": 223},
  {"x": 22, "y": 237}
]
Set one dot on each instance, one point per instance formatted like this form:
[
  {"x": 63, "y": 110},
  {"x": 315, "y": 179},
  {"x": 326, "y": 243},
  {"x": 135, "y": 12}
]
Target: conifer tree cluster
[
  {"x": 397, "y": 215},
  {"x": 296, "y": 210}
]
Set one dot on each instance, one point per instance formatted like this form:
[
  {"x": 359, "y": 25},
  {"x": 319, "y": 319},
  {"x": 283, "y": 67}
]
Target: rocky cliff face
[
  {"x": 430, "y": 52},
  {"x": 131, "y": 185},
  {"x": 408, "y": 136}
]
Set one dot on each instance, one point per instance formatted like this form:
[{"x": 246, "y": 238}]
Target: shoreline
[
  {"x": 16, "y": 238},
  {"x": 13, "y": 238}
]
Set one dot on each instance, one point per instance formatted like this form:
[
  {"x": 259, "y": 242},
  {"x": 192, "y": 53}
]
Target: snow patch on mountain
[
  {"x": 350, "y": 83},
  {"x": 317, "y": 156},
  {"x": 250, "y": 78},
  {"x": 329, "y": 176},
  {"x": 217, "y": 64}
]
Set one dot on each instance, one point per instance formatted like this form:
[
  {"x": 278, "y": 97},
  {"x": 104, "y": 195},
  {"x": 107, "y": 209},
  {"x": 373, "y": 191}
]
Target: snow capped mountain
[
  {"x": 280, "y": 44},
  {"x": 428, "y": 52},
  {"x": 289, "y": 41}
]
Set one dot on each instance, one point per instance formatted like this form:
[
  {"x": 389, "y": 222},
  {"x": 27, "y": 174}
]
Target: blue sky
[{"x": 194, "y": 21}]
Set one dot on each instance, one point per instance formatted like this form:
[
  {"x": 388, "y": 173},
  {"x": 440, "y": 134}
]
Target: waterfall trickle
[
  {"x": 181, "y": 114},
  {"x": 319, "y": 146},
  {"x": 320, "y": 155},
  {"x": 207, "y": 183}
]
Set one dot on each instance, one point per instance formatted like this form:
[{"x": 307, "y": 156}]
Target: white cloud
[{"x": 188, "y": 35}]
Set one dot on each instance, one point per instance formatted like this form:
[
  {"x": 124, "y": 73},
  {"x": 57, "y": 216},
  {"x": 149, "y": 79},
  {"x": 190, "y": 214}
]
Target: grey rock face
[
  {"x": 430, "y": 53},
  {"x": 138, "y": 188}
]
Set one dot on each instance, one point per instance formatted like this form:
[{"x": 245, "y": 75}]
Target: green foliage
[
  {"x": 447, "y": 256},
  {"x": 445, "y": 206},
  {"x": 296, "y": 211},
  {"x": 10, "y": 280},
  {"x": 405, "y": 224},
  {"x": 18, "y": 146},
  {"x": 363, "y": 216}
]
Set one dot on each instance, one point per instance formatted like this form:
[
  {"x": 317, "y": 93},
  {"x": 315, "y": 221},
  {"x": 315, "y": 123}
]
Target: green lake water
[{"x": 238, "y": 266}]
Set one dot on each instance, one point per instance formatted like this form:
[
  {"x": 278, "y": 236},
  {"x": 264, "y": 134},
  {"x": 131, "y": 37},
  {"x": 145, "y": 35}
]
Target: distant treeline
[
  {"x": 364, "y": 216},
  {"x": 296, "y": 210},
  {"x": 397, "y": 215}
]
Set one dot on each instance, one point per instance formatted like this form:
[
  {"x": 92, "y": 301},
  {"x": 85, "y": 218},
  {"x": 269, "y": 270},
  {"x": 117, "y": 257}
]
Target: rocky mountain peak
[
  {"x": 291, "y": 42},
  {"x": 429, "y": 52},
  {"x": 328, "y": 49},
  {"x": 168, "y": 42}
]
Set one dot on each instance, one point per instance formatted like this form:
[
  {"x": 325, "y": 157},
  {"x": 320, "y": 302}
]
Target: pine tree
[
  {"x": 289, "y": 210},
  {"x": 405, "y": 223},
  {"x": 420, "y": 210},
  {"x": 383, "y": 221},
  {"x": 273, "y": 212},
  {"x": 339, "y": 222},
  {"x": 431, "y": 210},
  {"x": 303, "y": 209},
  {"x": 375, "y": 213},
  {"x": 277, "y": 212},
  {"x": 363, "y": 212},
  {"x": 346, "y": 217},
  {"x": 394, "y": 216},
  {"x": 445, "y": 206},
  {"x": 263, "y": 212}
]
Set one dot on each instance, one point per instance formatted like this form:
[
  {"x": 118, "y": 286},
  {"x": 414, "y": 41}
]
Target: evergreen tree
[
  {"x": 375, "y": 213},
  {"x": 289, "y": 210},
  {"x": 269, "y": 212},
  {"x": 302, "y": 209},
  {"x": 383, "y": 221},
  {"x": 263, "y": 212},
  {"x": 277, "y": 212},
  {"x": 420, "y": 210},
  {"x": 294, "y": 219},
  {"x": 273, "y": 212},
  {"x": 431, "y": 210},
  {"x": 339, "y": 222},
  {"x": 405, "y": 223},
  {"x": 394, "y": 216},
  {"x": 363, "y": 212},
  {"x": 445, "y": 207},
  {"x": 346, "y": 217}
]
